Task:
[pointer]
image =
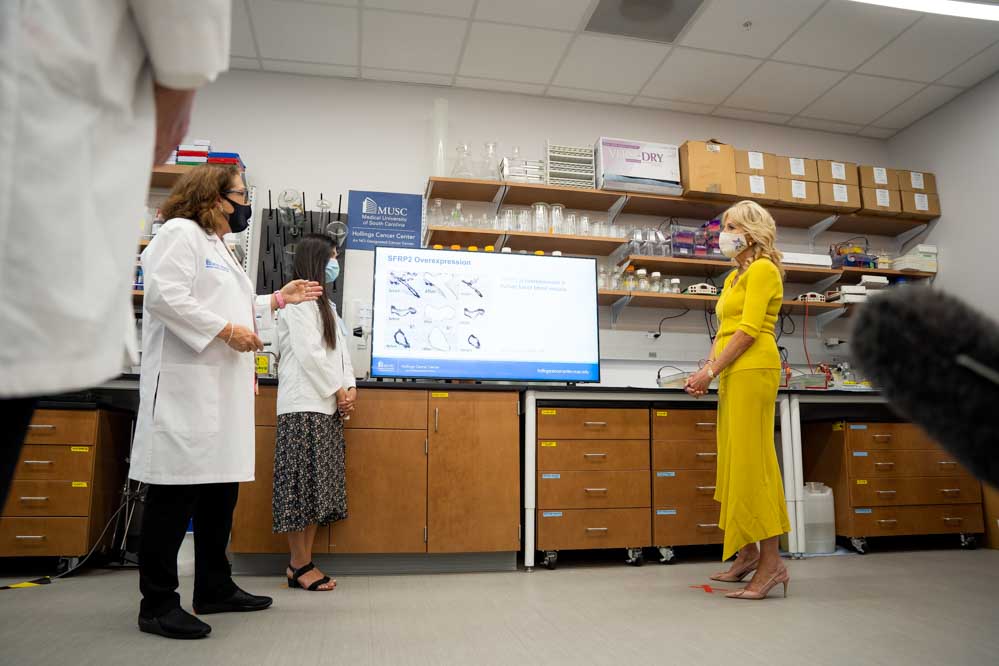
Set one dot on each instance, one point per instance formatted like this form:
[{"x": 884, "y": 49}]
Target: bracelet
[
  {"x": 280, "y": 300},
  {"x": 232, "y": 329},
  {"x": 711, "y": 371}
]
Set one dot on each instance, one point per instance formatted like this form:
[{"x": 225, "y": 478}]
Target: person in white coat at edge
[
  {"x": 194, "y": 438},
  {"x": 87, "y": 91}
]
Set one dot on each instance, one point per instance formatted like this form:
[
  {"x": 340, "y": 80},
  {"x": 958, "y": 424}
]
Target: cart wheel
[
  {"x": 859, "y": 544},
  {"x": 969, "y": 541},
  {"x": 667, "y": 555},
  {"x": 636, "y": 557},
  {"x": 551, "y": 556},
  {"x": 67, "y": 564}
]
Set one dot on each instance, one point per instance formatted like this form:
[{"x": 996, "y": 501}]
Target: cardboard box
[
  {"x": 920, "y": 206},
  {"x": 839, "y": 197},
  {"x": 831, "y": 171},
  {"x": 990, "y": 500},
  {"x": 797, "y": 168},
  {"x": 917, "y": 181},
  {"x": 875, "y": 177},
  {"x": 708, "y": 168},
  {"x": 755, "y": 163},
  {"x": 637, "y": 166},
  {"x": 758, "y": 188},
  {"x": 799, "y": 192},
  {"x": 880, "y": 201}
]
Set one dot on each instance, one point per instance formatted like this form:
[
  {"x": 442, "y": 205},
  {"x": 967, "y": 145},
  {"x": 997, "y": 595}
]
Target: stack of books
[
  {"x": 226, "y": 158},
  {"x": 194, "y": 153}
]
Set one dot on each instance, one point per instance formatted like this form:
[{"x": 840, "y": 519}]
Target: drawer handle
[
  {"x": 953, "y": 520},
  {"x": 704, "y": 454},
  {"x": 34, "y": 499},
  {"x": 887, "y": 521},
  {"x": 37, "y": 462},
  {"x": 29, "y": 537},
  {"x": 881, "y": 437},
  {"x": 951, "y": 491},
  {"x": 595, "y": 490},
  {"x": 595, "y": 424},
  {"x": 596, "y": 529},
  {"x": 703, "y": 488},
  {"x": 594, "y": 455},
  {"x": 887, "y": 492},
  {"x": 707, "y": 525},
  {"x": 947, "y": 463},
  {"x": 889, "y": 465},
  {"x": 41, "y": 427},
  {"x": 707, "y": 424}
]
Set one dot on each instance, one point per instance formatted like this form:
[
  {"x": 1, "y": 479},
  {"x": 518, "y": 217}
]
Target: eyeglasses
[{"x": 242, "y": 193}]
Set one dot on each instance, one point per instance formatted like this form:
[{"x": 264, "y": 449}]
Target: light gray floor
[{"x": 931, "y": 607}]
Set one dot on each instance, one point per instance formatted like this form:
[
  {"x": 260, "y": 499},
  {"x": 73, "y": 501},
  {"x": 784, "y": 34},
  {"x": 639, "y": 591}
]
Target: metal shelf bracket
[
  {"x": 820, "y": 227},
  {"x": 615, "y": 210},
  {"x": 906, "y": 237},
  {"x": 826, "y": 282},
  {"x": 617, "y": 307},
  {"x": 826, "y": 318}
]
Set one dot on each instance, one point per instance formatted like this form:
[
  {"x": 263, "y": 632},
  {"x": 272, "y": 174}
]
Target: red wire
[{"x": 804, "y": 338}]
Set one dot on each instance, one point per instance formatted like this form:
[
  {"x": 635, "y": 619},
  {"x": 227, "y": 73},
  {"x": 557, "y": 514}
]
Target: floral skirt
[{"x": 309, "y": 474}]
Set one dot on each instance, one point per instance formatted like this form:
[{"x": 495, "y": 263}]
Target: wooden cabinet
[
  {"x": 592, "y": 529},
  {"x": 473, "y": 502},
  {"x": 593, "y": 454},
  {"x": 890, "y": 479},
  {"x": 593, "y": 423},
  {"x": 594, "y": 489},
  {"x": 67, "y": 483}
]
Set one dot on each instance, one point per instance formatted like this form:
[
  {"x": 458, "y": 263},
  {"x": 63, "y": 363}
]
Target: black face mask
[{"x": 239, "y": 219}]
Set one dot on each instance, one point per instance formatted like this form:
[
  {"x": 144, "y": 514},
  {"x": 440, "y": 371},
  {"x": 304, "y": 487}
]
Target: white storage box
[
  {"x": 638, "y": 166},
  {"x": 806, "y": 259}
]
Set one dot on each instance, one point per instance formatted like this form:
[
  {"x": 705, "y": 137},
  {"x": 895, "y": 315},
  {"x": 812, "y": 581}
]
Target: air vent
[{"x": 653, "y": 20}]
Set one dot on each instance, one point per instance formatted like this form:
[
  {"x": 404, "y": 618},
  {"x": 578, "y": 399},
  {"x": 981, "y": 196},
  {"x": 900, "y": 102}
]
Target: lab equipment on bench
[
  {"x": 702, "y": 289},
  {"x": 811, "y": 297}
]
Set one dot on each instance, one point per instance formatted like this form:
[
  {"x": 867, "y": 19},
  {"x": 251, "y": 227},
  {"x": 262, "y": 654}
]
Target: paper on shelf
[
  {"x": 798, "y": 189},
  {"x": 757, "y": 184},
  {"x": 922, "y": 201},
  {"x": 838, "y": 172},
  {"x": 797, "y": 167},
  {"x": 880, "y": 176},
  {"x": 840, "y": 193},
  {"x": 917, "y": 181},
  {"x": 755, "y": 161},
  {"x": 884, "y": 198}
]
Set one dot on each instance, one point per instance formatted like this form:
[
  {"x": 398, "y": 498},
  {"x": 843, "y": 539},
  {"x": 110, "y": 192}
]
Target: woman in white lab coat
[
  {"x": 194, "y": 439},
  {"x": 316, "y": 390}
]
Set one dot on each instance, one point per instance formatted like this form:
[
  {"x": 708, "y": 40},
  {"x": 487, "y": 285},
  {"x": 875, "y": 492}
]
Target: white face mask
[{"x": 731, "y": 244}]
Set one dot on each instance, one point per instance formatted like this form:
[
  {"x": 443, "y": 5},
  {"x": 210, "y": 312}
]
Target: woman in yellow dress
[{"x": 745, "y": 358}]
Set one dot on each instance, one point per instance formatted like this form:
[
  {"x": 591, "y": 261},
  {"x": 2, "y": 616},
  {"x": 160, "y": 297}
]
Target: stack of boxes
[
  {"x": 194, "y": 153},
  {"x": 756, "y": 176},
  {"x": 798, "y": 179},
  {"x": 879, "y": 191},
  {"x": 839, "y": 186},
  {"x": 919, "y": 258},
  {"x": 918, "y": 191}
]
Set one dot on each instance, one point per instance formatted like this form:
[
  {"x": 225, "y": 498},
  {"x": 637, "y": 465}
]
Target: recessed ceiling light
[{"x": 972, "y": 10}]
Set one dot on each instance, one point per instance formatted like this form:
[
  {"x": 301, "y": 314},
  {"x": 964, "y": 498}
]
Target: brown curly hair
[{"x": 196, "y": 194}]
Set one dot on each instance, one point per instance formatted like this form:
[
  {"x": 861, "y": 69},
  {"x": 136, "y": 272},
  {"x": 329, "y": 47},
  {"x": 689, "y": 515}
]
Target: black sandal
[{"x": 293, "y": 582}]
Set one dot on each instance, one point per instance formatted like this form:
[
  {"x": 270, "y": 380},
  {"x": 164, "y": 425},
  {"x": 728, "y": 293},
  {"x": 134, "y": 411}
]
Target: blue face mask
[{"x": 332, "y": 271}]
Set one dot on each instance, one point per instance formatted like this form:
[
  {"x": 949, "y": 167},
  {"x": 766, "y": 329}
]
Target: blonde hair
[{"x": 759, "y": 226}]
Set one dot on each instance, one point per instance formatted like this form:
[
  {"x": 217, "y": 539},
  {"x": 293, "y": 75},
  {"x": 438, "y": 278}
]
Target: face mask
[
  {"x": 332, "y": 271},
  {"x": 239, "y": 219},
  {"x": 731, "y": 244}
]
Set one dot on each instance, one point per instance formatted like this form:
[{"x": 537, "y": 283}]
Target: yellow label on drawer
[
  {"x": 838, "y": 426},
  {"x": 549, "y": 444},
  {"x": 438, "y": 395},
  {"x": 861, "y": 482},
  {"x": 548, "y": 412},
  {"x": 662, "y": 413},
  {"x": 80, "y": 449},
  {"x": 79, "y": 484},
  {"x": 263, "y": 365}
]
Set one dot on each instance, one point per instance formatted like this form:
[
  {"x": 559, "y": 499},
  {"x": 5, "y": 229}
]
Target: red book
[{"x": 192, "y": 153}]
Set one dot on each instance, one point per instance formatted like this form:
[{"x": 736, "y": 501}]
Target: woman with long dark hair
[{"x": 316, "y": 389}]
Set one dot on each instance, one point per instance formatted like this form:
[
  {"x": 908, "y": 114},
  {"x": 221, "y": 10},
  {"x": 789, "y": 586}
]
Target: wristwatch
[{"x": 711, "y": 372}]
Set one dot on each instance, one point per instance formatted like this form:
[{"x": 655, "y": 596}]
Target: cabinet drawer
[
  {"x": 881, "y": 464},
  {"x": 684, "y": 424},
  {"x": 43, "y": 537},
  {"x": 48, "y": 498},
  {"x": 888, "y": 521},
  {"x": 39, "y": 462},
  {"x": 587, "y": 423},
  {"x": 265, "y": 407},
  {"x": 685, "y": 526},
  {"x": 593, "y": 454},
  {"x": 596, "y": 490},
  {"x": 57, "y": 426},
  {"x": 685, "y": 454},
  {"x": 593, "y": 528},
  {"x": 915, "y": 490},
  {"x": 389, "y": 409},
  {"x": 673, "y": 488},
  {"x": 886, "y": 436}
]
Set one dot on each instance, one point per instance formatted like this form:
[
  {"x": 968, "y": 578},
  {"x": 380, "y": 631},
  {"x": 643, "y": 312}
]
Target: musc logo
[{"x": 371, "y": 207}]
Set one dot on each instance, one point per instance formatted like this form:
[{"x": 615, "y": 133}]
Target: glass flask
[{"x": 463, "y": 165}]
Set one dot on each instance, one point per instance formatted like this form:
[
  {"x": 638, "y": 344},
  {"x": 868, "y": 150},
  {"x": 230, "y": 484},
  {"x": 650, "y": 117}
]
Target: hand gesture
[
  {"x": 697, "y": 384},
  {"x": 301, "y": 291},
  {"x": 243, "y": 339}
]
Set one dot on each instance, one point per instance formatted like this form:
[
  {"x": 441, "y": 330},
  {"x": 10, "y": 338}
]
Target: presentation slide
[{"x": 472, "y": 315}]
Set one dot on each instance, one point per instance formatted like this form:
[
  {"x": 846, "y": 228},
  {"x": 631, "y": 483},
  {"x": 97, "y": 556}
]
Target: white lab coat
[
  {"x": 196, "y": 394},
  {"x": 77, "y": 128}
]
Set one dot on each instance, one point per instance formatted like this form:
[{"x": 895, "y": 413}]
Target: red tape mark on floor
[{"x": 708, "y": 589}]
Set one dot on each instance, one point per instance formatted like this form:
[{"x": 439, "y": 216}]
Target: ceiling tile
[
  {"x": 588, "y": 95},
  {"x": 242, "y": 38},
  {"x": 405, "y": 77},
  {"x": 860, "y": 99},
  {"x": 505, "y": 86},
  {"x": 236, "y": 62},
  {"x": 609, "y": 63},
  {"x": 877, "y": 133},
  {"x": 556, "y": 14},
  {"x": 720, "y": 25},
  {"x": 755, "y": 116},
  {"x": 782, "y": 88},
  {"x": 512, "y": 53},
  {"x": 305, "y": 32},
  {"x": 981, "y": 66},
  {"x": 672, "y": 105},
  {"x": 826, "y": 125},
  {"x": 844, "y": 34},
  {"x": 699, "y": 76},
  {"x": 917, "y": 106},
  {"x": 350, "y": 3},
  {"x": 932, "y": 47},
  {"x": 416, "y": 43},
  {"x": 310, "y": 68},
  {"x": 458, "y": 8}
]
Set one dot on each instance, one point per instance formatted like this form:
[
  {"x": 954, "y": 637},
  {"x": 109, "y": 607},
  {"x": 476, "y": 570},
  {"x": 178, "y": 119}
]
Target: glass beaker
[
  {"x": 524, "y": 220},
  {"x": 584, "y": 225},
  {"x": 642, "y": 280},
  {"x": 656, "y": 282},
  {"x": 602, "y": 278},
  {"x": 571, "y": 226},
  {"x": 558, "y": 219},
  {"x": 635, "y": 246},
  {"x": 435, "y": 216},
  {"x": 509, "y": 220},
  {"x": 489, "y": 167},
  {"x": 457, "y": 216},
  {"x": 541, "y": 217},
  {"x": 463, "y": 165}
]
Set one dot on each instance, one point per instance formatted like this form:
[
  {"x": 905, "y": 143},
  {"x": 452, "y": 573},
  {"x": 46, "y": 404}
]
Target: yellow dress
[{"x": 749, "y": 484}]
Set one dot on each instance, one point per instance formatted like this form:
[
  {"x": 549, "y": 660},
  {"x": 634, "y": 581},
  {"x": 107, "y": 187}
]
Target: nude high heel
[
  {"x": 782, "y": 577},
  {"x": 737, "y": 576}
]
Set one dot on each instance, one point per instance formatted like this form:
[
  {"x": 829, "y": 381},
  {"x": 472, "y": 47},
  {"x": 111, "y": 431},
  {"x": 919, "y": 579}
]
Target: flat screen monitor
[{"x": 441, "y": 314}]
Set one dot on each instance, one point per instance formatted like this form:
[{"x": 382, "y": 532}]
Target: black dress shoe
[
  {"x": 239, "y": 602},
  {"x": 176, "y": 623}
]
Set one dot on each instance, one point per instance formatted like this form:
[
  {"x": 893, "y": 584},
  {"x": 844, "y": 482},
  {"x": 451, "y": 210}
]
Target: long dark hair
[{"x": 311, "y": 255}]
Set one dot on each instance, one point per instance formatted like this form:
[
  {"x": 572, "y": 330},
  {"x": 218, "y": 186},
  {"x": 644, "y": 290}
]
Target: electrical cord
[
  {"x": 124, "y": 503},
  {"x": 712, "y": 332},
  {"x": 804, "y": 338},
  {"x": 665, "y": 319}
]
